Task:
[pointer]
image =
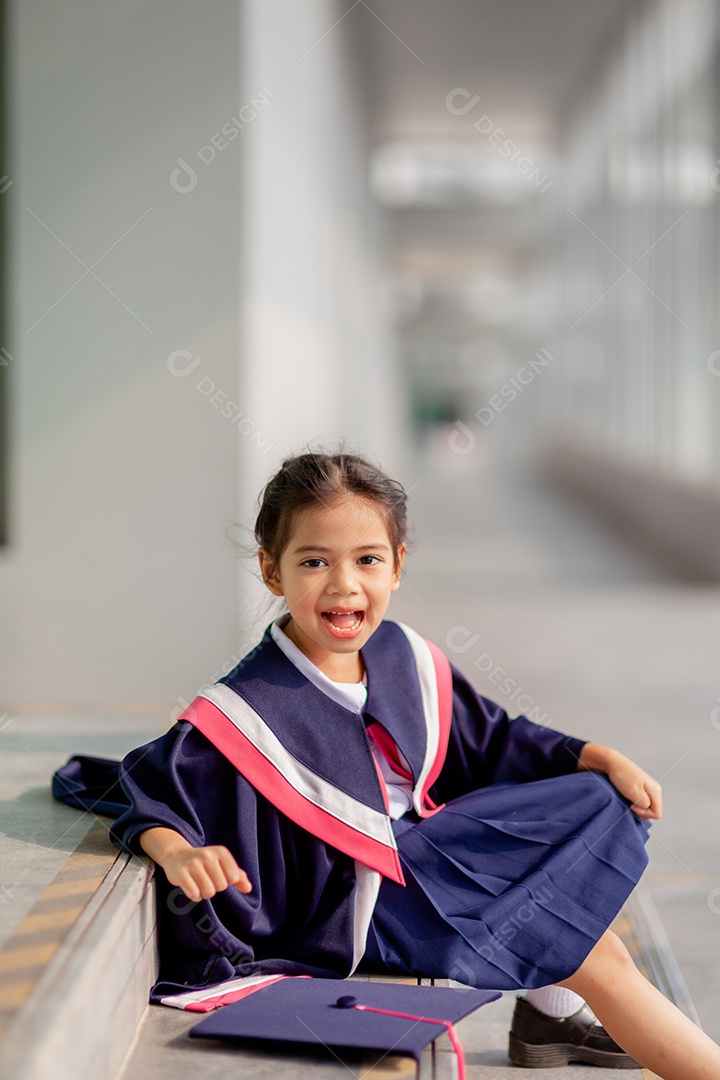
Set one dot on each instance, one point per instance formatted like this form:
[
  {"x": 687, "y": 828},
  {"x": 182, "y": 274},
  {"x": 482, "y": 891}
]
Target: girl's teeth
[{"x": 343, "y": 620}]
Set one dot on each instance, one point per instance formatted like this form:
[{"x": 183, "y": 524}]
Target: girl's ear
[
  {"x": 397, "y": 569},
  {"x": 268, "y": 569}
]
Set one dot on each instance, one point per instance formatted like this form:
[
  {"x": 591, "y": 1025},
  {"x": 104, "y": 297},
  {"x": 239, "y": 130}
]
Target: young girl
[{"x": 345, "y": 795}]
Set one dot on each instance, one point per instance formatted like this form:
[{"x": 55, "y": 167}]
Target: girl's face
[{"x": 336, "y": 574}]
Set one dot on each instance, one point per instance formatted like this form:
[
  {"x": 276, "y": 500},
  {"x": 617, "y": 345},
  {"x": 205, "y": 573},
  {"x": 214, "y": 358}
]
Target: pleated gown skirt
[{"x": 509, "y": 887}]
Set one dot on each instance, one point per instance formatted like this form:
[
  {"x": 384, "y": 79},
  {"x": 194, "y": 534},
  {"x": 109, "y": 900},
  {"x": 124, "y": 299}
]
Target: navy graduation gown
[{"x": 316, "y": 848}]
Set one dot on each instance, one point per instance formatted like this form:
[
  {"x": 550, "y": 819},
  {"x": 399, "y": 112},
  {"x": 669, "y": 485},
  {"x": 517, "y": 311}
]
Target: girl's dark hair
[{"x": 318, "y": 479}]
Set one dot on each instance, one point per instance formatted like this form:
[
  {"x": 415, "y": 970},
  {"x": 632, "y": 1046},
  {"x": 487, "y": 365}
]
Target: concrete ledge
[
  {"x": 88, "y": 1000},
  {"x": 86, "y": 1015},
  {"x": 641, "y": 929},
  {"x": 678, "y": 518}
]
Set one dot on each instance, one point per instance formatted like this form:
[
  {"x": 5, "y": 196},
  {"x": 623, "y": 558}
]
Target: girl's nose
[{"x": 342, "y": 580}]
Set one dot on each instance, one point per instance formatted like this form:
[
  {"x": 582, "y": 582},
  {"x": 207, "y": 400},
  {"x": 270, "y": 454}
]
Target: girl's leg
[{"x": 640, "y": 1018}]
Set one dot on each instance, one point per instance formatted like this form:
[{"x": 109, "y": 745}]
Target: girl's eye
[{"x": 316, "y": 562}]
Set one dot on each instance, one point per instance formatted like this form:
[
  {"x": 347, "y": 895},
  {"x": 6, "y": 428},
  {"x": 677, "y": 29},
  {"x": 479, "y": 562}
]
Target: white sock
[{"x": 555, "y": 1001}]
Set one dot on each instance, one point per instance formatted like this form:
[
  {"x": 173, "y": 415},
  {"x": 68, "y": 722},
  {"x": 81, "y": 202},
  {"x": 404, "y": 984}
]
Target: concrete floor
[
  {"x": 37, "y": 833},
  {"x": 602, "y": 636}
]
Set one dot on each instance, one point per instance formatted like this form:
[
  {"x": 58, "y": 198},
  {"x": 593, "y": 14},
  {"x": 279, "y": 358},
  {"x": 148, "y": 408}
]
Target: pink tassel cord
[{"x": 456, "y": 1045}]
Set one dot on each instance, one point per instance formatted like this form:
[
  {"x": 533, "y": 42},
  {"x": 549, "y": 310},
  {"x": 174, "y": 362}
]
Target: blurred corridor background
[
  {"x": 478, "y": 241},
  {"x": 468, "y": 238}
]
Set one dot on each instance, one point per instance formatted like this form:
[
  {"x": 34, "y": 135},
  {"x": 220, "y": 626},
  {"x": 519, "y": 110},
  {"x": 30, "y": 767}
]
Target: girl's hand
[
  {"x": 643, "y": 792},
  {"x": 202, "y": 872}
]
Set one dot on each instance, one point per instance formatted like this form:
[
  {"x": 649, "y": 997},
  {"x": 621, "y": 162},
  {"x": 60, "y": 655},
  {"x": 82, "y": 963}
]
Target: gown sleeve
[
  {"x": 299, "y": 916},
  {"x": 161, "y": 779},
  {"x": 487, "y": 746}
]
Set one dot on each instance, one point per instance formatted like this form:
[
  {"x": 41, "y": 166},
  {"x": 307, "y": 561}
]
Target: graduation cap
[{"x": 382, "y": 1017}]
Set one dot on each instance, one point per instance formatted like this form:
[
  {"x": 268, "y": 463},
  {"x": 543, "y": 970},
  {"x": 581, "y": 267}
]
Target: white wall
[
  {"x": 119, "y": 583},
  {"x": 257, "y": 269},
  {"x": 318, "y": 365}
]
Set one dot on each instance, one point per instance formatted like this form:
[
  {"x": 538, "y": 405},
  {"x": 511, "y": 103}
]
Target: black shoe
[{"x": 538, "y": 1041}]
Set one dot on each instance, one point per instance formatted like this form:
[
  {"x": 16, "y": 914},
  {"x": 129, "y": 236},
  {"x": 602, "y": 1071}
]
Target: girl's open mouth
[{"x": 343, "y": 623}]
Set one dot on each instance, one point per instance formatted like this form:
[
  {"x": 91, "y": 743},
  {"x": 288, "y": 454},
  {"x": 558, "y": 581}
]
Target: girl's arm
[
  {"x": 644, "y": 793},
  {"x": 199, "y": 871}
]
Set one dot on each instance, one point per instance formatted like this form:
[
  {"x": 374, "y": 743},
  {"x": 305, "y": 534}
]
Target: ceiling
[
  {"x": 529, "y": 60},
  {"x": 522, "y": 67}
]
